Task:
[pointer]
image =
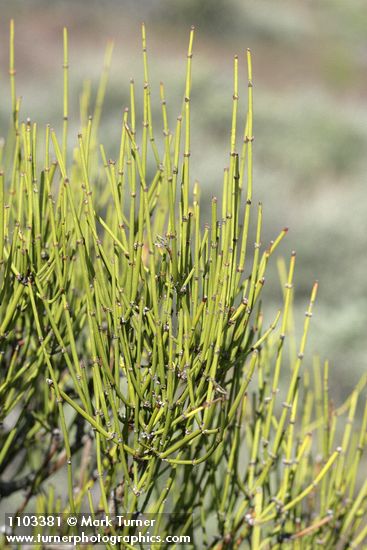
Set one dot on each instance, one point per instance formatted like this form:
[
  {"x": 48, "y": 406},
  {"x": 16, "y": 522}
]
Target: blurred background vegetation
[{"x": 310, "y": 61}]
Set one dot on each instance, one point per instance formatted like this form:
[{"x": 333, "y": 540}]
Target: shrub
[{"x": 134, "y": 357}]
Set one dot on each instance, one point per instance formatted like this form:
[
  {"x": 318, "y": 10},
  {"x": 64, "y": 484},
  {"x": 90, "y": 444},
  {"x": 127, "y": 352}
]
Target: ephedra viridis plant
[{"x": 135, "y": 363}]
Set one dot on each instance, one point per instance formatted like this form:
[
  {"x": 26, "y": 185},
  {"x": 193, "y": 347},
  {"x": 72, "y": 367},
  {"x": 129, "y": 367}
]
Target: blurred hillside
[{"x": 310, "y": 62}]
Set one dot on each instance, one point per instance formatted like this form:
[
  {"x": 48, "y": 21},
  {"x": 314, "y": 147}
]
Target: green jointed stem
[{"x": 146, "y": 314}]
